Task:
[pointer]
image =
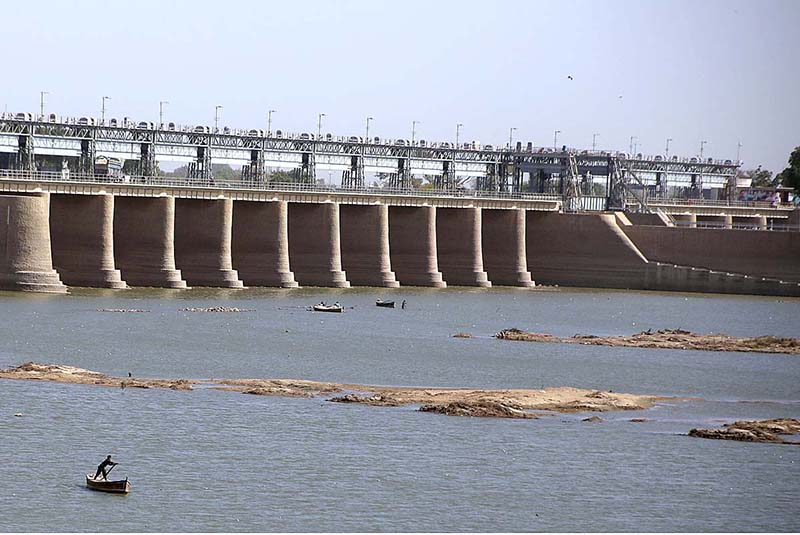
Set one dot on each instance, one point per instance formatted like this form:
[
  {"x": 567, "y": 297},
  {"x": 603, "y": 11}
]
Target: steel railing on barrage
[{"x": 211, "y": 184}]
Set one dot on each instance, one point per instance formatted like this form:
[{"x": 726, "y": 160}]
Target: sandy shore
[
  {"x": 668, "y": 339},
  {"x": 515, "y": 403}
]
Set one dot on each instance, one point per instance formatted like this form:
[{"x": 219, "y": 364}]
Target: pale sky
[{"x": 715, "y": 71}]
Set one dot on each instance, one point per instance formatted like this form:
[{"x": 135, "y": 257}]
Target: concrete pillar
[
  {"x": 260, "y": 247},
  {"x": 365, "y": 245},
  {"x": 26, "y": 262},
  {"x": 459, "y": 249},
  {"x": 727, "y": 221},
  {"x": 82, "y": 235},
  {"x": 203, "y": 242},
  {"x": 314, "y": 250},
  {"x": 503, "y": 242},
  {"x": 144, "y": 241},
  {"x": 412, "y": 242},
  {"x": 685, "y": 220}
]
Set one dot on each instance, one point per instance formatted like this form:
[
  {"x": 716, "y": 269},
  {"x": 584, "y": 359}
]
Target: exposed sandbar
[
  {"x": 668, "y": 339},
  {"x": 560, "y": 399},
  {"x": 753, "y": 431},
  {"x": 57, "y": 373},
  {"x": 515, "y": 403}
]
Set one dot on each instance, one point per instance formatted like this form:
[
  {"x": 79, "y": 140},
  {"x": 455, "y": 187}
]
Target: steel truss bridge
[{"x": 569, "y": 173}]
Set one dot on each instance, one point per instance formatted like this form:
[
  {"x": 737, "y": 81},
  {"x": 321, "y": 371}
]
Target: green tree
[
  {"x": 790, "y": 177},
  {"x": 759, "y": 177}
]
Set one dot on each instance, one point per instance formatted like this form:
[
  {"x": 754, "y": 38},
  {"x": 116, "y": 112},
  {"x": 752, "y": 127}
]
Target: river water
[{"x": 208, "y": 460}]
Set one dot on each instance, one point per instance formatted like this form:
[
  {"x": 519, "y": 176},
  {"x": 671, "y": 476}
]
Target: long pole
[
  {"x": 413, "y": 130},
  {"x": 738, "y": 151},
  {"x": 702, "y": 144},
  {"x": 366, "y": 137},
  {"x": 667, "y": 149},
  {"x": 161, "y": 113},
  {"x": 594, "y": 141},
  {"x": 103, "y": 110},
  {"x": 41, "y": 102},
  {"x": 630, "y": 147},
  {"x": 269, "y": 122},
  {"x": 216, "y": 117},
  {"x": 319, "y": 124},
  {"x": 555, "y": 139},
  {"x": 511, "y": 137},
  {"x": 458, "y": 129}
]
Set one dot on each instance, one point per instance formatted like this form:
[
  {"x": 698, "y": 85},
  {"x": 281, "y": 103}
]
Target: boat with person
[
  {"x": 322, "y": 307},
  {"x": 385, "y": 304},
  {"x": 122, "y": 486}
]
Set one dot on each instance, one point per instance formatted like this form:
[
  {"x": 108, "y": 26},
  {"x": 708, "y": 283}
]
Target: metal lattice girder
[
  {"x": 308, "y": 168},
  {"x": 88, "y": 154},
  {"x": 572, "y": 182},
  {"x": 25, "y": 153},
  {"x": 168, "y": 142}
]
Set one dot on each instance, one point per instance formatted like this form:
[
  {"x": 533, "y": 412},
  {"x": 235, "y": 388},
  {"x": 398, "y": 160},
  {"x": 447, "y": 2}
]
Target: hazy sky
[{"x": 720, "y": 71}]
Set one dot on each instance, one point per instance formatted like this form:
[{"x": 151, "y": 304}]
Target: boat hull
[{"x": 117, "y": 487}]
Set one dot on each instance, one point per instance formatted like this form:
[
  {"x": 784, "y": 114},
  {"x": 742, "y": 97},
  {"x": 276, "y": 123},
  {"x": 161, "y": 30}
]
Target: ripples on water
[{"x": 218, "y": 461}]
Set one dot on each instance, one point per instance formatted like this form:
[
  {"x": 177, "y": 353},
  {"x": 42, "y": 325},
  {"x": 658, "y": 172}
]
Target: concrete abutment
[
  {"x": 504, "y": 254},
  {"x": 314, "y": 244},
  {"x": 260, "y": 243},
  {"x": 365, "y": 245},
  {"x": 413, "y": 247}
]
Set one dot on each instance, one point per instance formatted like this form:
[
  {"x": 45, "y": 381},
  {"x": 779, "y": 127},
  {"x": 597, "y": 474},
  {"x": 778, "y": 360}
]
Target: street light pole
[
  {"x": 630, "y": 147},
  {"x": 161, "y": 113},
  {"x": 738, "y": 151},
  {"x": 366, "y": 137},
  {"x": 702, "y": 144},
  {"x": 103, "y": 110},
  {"x": 319, "y": 124},
  {"x": 667, "y": 151},
  {"x": 216, "y": 117},
  {"x": 269, "y": 122},
  {"x": 41, "y": 102},
  {"x": 458, "y": 129},
  {"x": 555, "y": 139},
  {"x": 511, "y": 137},
  {"x": 594, "y": 141},
  {"x": 413, "y": 130}
]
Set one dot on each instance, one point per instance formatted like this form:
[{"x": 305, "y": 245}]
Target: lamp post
[
  {"x": 630, "y": 147},
  {"x": 414, "y": 130},
  {"x": 41, "y": 102},
  {"x": 216, "y": 117},
  {"x": 319, "y": 124},
  {"x": 366, "y": 136},
  {"x": 738, "y": 151},
  {"x": 555, "y": 139},
  {"x": 103, "y": 109},
  {"x": 594, "y": 141},
  {"x": 269, "y": 122},
  {"x": 161, "y": 113},
  {"x": 511, "y": 137},
  {"x": 458, "y": 129},
  {"x": 702, "y": 144},
  {"x": 667, "y": 149}
]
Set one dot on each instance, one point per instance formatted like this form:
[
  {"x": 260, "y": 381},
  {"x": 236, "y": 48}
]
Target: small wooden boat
[
  {"x": 120, "y": 487},
  {"x": 386, "y": 304},
  {"x": 322, "y": 307}
]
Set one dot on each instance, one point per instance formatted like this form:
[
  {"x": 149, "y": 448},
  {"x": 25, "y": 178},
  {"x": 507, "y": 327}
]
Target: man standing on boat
[{"x": 102, "y": 468}]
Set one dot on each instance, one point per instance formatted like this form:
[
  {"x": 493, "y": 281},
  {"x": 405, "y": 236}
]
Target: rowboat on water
[
  {"x": 322, "y": 307},
  {"x": 386, "y": 304},
  {"x": 122, "y": 486}
]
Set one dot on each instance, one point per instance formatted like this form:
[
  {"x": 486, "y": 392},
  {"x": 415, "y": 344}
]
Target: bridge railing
[
  {"x": 721, "y": 202},
  {"x": 211, "y": 184}
]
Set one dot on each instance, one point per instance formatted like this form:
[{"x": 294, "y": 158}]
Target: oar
[{"x": 110, "y": 469}]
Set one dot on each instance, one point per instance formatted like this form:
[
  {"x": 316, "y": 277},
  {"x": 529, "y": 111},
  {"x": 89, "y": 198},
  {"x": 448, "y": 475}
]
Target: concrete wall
[
  {"x": 203, "y": 242},
  {"x": 26, "y": 262},
  {"x": 82, "y": 235},
  {"x": 583, "y": 250},
  {"x": 762, "y": 254},
  {"x": 503, "y": 241},
  {"x": 144, "y": 236},
  {"x": 314, "y": 246},
  {"x": 412, "y": 242},
  {"x": 260, "y": 243},
  {"x": 365, "y": 245},
  {"x": 459, "y": 246}
]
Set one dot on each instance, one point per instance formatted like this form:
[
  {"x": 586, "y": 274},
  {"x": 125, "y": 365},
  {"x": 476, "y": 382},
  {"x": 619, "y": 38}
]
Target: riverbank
[{"x": 665, "y": 339}]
